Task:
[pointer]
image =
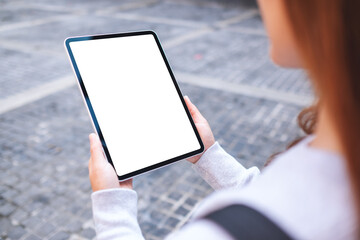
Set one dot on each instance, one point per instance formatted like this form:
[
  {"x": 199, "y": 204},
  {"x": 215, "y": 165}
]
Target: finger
[
  {"x": 127, "y": 184},
  {"x": 192, "y": 108},
  {"x": 90, "y": 165},
  {"x": 195, "y": 113},
  {"x": 96, "y": 149}
]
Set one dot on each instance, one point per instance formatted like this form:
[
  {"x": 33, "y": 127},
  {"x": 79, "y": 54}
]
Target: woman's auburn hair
[{"x": 327, "y": 34}]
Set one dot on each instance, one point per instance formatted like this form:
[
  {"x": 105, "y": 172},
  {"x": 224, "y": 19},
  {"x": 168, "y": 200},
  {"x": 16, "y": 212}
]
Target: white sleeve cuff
[
  {"x": 220, "y": 170},
  {"x": 115, "y": 214}
]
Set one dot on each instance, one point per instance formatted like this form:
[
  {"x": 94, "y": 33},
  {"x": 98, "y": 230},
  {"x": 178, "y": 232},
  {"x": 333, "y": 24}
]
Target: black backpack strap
[{"x": 243, "y": 222}]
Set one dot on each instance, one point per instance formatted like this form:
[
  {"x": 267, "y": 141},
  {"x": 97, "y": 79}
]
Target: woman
[{"x": 312, "y": 190}]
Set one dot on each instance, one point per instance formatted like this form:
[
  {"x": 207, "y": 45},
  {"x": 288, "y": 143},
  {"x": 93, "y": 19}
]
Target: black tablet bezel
[{"x": 92, "y": 114}]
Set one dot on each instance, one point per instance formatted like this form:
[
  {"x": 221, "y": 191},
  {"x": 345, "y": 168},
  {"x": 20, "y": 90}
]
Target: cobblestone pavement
[{"x": 219, "y": 53}]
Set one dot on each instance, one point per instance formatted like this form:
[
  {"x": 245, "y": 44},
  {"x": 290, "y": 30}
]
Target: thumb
[
  {"x": 96, "y": 148},
  {"x": 195, "y": 113}
]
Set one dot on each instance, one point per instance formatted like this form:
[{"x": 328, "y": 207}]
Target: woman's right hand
[{"x": 203, "y": 128}]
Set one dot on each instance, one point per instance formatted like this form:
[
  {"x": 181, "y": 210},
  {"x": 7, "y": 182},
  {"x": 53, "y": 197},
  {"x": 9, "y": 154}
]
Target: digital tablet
[{"x": 134, "y": 102}]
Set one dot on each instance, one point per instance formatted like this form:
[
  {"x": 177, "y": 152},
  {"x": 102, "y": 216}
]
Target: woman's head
[{"x": 323, "y": 36}]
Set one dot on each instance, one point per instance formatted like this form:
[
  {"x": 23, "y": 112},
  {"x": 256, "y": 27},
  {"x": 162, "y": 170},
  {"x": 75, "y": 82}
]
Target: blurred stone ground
[{"x": 219, "y": 53}]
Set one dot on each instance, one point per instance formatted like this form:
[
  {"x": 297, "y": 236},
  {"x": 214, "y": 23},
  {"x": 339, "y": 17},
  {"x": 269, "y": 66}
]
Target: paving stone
[
  {"x": 16, "y": 232},
  {"x": 23, "y": 70},
  {"x": 60, "y": 236},
  {"x": 32, "y": 207},
  {"x": 13, "y": 15},
  {"x": 44, "y": 230},
  {"x": 252, "y": 24},
  {"x": 9, "y": 179},
  {"x": 165, "y": 205},
  {"x": 191, "y": 201},
  {"x": 32, "y": 222},
  {"x": 147, "y": 226},
  {"x": 172, "y": 222},
  {"x": 60, "y": 220},
  {"x": 76, "y": 26},
  {"x": 5, "y": 225},
  {"x": 73, "y": 226},
  {"x": 182, "y": 211},
  {"x": 3, "y": 189},
  {"x": 32, "y": 237},
  {"x": 160, "y": 232},
  {"x": 86, "y": 214},
  {"x": 178, "y": 11},
  {"x": 175, "y": 195},
  {"x": 224, "y": 62},
  {"x": 88, "y": 233},
  {"x": 18, "y": 215},
  {"x": 4, "y": 165},
  {"x": 46, "y": 213},
  {"x": 76, "y": 6},
  {"x": 198, "y": 193},
  {"x": 2, "y": 201},
  {"x": 157, "y": 216},
  {"x": 184, "y": 187},
  {"x": 22, "y": 186},
  {"x": 7, "y": 209}
]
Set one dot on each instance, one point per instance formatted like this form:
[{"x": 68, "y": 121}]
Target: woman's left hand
[{"x": 102, "y": 174}]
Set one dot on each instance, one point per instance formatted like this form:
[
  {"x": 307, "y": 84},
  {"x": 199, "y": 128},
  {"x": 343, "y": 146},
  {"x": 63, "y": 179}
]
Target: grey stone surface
[
  {"x": 22, "y": 71},
  {"x": 15, "y": 232},
  {"x": 44, "y": 186},
  {"x": 6, "y": 209},
  {"x": 21, "y": 14},
  {"x": 60, "y": 236},
  {"x": 88, "y": 233},
  {"x": 32, "y": 237},
  {"x": 186, "y": 12},
  {"x": 83, "y": 25},
  {"x": 227, "y": 61},
  {"x": 253, "y": 24},
  {"x": 65, "y": 5}
]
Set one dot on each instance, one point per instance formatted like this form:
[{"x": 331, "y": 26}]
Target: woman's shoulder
[{"x": 304, "y": 190}]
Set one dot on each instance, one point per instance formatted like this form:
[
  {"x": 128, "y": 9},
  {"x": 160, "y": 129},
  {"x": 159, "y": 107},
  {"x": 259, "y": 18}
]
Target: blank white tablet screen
[{"x": 138, "y": 109}]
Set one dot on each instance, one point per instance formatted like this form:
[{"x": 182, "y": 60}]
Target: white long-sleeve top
[{"x": 305, "y": 191}]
